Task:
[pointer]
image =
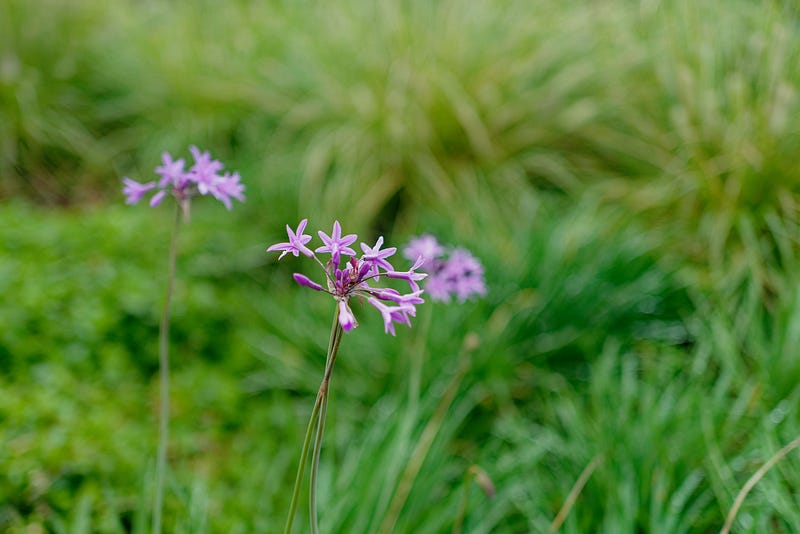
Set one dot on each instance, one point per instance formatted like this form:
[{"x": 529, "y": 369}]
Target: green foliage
[
  {"x": 664, "y": 107},
  {"x": 625, "y": 171}
]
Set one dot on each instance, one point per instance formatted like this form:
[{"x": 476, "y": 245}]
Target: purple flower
[
  {"x": 227, "y": 187},
  {"x": 156, "y": 200},
  {"x": 171, "y": 172},
  {"x": 346, "y": 317},
  {"x": 306, "y": 281},
  {"x": 134, "y": 191},
  {"x": 376, "y": 257},
  {"x": 335, "y": 244},
  {"x": 392, "y": 314},
  {"x": 354, "y": 277},
  {"x": 454, "y": 273},
  {"x": 297, "y": 242},
  {"x": 203, "y": 179},
  {"x": 204, "y": 171},
  {"x": 466, "y": 273},
  {"x": 410, "y": 276},
  {"x": 426, "y": 246}
]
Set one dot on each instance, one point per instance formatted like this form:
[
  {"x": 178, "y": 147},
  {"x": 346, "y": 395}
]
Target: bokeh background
[{"x": 627, "y": 171}]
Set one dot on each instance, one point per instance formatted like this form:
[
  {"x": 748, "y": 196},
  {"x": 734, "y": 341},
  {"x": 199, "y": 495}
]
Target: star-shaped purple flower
[
  {"x": 204, "y": 171},
  {"x": 376, "y": 257},
  {"x": 335, "y": 244},
  {"x": 134, "y": 191},
  {"x": 171, "y": 172},
  {"x": 297, "y": 242},
  {"x": 392, "y": 314},
  {"x": 226, "y": 187},
  {"x": 410, "y": 276}
]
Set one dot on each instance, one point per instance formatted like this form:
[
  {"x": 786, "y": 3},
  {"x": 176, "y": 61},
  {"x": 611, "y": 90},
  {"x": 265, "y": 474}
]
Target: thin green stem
[
  {"x": 333, "y": 346},
  {"x": 312, "y": 492},
  {"x": 333, "y": 350},
  {"x": 163, "y": 359},
  {"x": 301, "y": 468}
]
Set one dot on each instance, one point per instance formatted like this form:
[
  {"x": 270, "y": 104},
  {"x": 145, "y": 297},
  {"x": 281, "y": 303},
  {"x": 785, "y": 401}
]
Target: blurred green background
[{"x": 626, "y": 170}]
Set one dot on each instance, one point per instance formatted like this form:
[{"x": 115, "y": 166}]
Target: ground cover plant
[{"x": 624, "y": 170}]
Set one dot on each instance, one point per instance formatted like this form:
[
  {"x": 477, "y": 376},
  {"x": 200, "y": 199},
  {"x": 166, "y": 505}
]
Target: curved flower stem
[
  {"x": 301, "y": 467},
  {"x": 333, "y": 350},
  {"x": 163, "y": 359},
  {"x": 336, "y": 332}
]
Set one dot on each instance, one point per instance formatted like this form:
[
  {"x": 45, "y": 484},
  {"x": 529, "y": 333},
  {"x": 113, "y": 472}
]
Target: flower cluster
[
  {"x": 202, "y": 178},
  {"x": 453, "y": 273},
  {"x": 353, "y": 280}
]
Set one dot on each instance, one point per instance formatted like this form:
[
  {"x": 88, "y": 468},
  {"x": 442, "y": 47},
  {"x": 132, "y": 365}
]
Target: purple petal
[
  {"x": 156, "y": 200},
  {"x": 346, "y": 318},
  {"x": 134, "y": 191},
  {"x": 305, "y": 281}
]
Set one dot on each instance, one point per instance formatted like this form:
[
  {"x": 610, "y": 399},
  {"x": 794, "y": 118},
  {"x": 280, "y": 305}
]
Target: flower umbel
[
  {"x": 202, "y": 178},
  {"x": 453, "y": 272},
  {"x": 354, "y": 277}
]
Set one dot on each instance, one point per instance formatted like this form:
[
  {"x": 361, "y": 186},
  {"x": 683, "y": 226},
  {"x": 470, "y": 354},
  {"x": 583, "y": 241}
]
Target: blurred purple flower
[
  {"x": 134, "y": 191},
  {"x": 203, "y": 178},
  {"x": 425, "y": 246},
  {"x": 454, "y": 273},
  {"x": 204, "y": 171},
  {"x": 171, "y": 172},
  {"x": 227, "y": 187}
]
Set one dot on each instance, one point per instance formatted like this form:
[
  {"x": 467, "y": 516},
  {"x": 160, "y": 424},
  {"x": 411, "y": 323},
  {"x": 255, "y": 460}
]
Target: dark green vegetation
[{"x": 627, "y": 171}]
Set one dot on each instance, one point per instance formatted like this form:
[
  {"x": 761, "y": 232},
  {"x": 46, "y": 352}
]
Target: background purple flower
[
  {"x": 425, "y": 246},
  {"x": 134, "y": 191},
  {"x": 454, "y": 273},
  {"x": 202, "y": 178},
  {"x": 171, "y": 172}
]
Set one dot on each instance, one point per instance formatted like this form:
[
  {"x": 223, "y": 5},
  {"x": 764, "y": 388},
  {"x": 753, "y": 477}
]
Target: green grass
[
  {"x": 625, "y": 170},
  {"x": 679, "y": 401}
]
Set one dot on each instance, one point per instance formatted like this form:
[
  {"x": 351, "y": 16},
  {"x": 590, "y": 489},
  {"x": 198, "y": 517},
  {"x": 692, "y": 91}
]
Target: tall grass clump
[
  {"x": 665, "y": 105},
  {"x": 409, "y": 96},
  {"x": 711, "y": 98},
  {"x": 58, "y": 134}
]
